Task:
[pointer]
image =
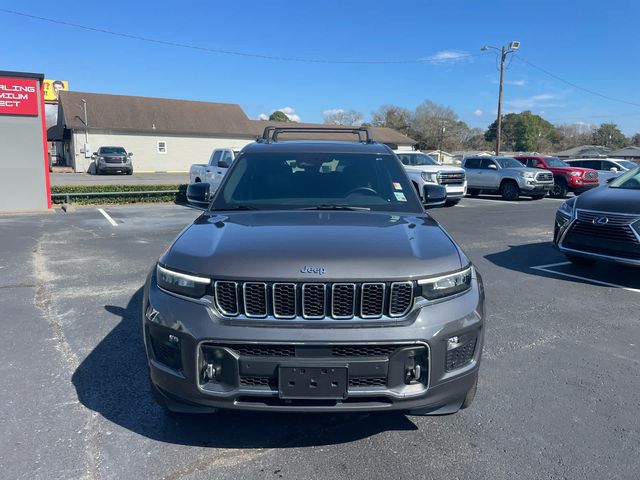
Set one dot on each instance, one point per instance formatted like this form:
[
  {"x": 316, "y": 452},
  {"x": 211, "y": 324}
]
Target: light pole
[
  {"x": 86, "y": 122},
  {"x": 504, "y": 51}
]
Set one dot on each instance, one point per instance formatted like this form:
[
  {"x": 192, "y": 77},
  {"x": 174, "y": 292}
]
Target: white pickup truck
[
  {"x": 421, "y": 169},
  {"x": 214, "y": 171}
]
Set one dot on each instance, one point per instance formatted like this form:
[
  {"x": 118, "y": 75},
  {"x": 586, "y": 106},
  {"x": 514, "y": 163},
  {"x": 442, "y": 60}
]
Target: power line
[
  {"x": 592, "y": 92},
  {"x": 432, "y": 59}
]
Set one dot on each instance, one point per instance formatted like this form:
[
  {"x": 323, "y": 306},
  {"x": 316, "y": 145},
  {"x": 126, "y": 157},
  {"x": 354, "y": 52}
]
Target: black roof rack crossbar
[{"x": 271, "y": 133}]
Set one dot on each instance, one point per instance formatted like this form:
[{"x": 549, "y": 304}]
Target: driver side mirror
[
  {"x": 130, "y": 154},
  {"x": 492, "y": 166},
  {"x": 223, "y": 164},
  {"x": 434, "y": 195},
  {"x": 613, "y": 169},
  {"x": 199, "y": 194}
]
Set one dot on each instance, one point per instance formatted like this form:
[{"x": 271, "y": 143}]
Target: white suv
[{"x": 421, "y": 169}]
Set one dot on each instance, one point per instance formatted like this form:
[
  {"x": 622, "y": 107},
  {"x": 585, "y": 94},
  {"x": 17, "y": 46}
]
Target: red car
[{"x": 566, "y": 178}]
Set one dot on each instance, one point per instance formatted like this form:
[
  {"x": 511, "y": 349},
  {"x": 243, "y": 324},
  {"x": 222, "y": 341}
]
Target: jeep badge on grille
[{"x": 316, "y": 270}]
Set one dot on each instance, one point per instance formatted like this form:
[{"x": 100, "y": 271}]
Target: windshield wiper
[
  {"x": 238, "y": 207},
  {"x": 333, "y": 206}
]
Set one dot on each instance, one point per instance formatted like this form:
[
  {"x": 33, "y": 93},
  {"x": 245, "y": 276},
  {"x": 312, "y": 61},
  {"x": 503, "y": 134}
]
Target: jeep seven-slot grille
[{"x": 314, "y": 301}]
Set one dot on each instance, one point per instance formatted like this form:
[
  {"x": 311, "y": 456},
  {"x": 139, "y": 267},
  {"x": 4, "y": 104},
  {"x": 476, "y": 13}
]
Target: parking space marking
[
  {"x": 547, "y": 268},
  {"x": 108, "y": 217}
]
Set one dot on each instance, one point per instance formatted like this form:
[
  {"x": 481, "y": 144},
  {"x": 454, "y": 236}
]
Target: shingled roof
[{"x": 122, "y": 113}]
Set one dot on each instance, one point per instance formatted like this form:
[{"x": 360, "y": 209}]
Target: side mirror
[
  {"x": 95, "y": 154},
  {"x": 613, "y": 169},
  {"x": 130, "y": 154},
  {"x": 199, "y": 194},
  {"x": 434, "y": 195},
  {"x": 492, "y": 166},
  {"x": 223, "y": 164}
]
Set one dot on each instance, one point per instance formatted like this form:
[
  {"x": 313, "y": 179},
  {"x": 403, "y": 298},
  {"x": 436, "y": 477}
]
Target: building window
[{"x": 162, "y": 146}]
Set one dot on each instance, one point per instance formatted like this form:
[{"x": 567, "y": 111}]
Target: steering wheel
[{"x": 365, "y": 190}]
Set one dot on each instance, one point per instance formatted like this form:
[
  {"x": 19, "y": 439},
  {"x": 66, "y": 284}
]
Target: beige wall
[{"x": 181, "y": 153}]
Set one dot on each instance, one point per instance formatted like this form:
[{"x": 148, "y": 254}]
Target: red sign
[{"x": 18, "y": 96}]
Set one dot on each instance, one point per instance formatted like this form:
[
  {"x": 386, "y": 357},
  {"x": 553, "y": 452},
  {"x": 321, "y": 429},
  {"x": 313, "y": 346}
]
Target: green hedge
[{"x": 180, "y": 197}]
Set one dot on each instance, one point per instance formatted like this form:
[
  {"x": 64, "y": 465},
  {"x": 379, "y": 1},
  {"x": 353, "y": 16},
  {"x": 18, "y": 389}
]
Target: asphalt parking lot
[{"x": 558, "y": 392}]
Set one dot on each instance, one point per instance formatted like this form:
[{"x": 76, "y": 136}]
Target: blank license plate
[{"x": 312, "y": 382}]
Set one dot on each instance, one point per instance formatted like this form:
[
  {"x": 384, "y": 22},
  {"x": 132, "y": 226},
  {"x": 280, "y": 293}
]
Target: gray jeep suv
[{"x": 314, "y": 281}]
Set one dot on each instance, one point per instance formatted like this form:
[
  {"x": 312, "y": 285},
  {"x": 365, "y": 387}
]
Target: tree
[
  {"x": 574, "y": 135},
  {"x": 609, "y": 135},
  {"x": 635, "y": 140},
  {"x": 392, "y": 116},
  {"x": 343, "y": 117},
  {"x": 279, "y": 116},
  {"x": 524, "y": 132},
  {"x": 437, "y": 126}
]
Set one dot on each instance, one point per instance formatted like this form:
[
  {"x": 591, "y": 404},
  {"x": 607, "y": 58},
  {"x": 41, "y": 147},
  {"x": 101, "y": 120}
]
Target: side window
[
  {"x": 579, "y": 163},
  {"x": 486, "y": 162},
  {"x": 404, "y": 159},
  {"x": 605, "y": 165},
  {"x": 162, "y": 146},
  {"x": 537, "y": 163},
  {"x": 215, "y": 157},
  {"x": 472, "y": 163},
  {"x": 225, "y": 159}
]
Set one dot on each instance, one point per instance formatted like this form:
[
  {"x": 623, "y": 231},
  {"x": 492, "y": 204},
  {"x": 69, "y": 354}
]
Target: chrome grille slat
[
  {"x": 343, "y": 300},
  {"x": 372, "y": 300},
  {"x": 255, "y": 299},
  {"x": 614, "y": 218},
  {"x": 226, "y": 295},
  {"x": 400, "y": 299},
  {"x": 285, "y": 302},
  {"x": 314, "y": 301}
]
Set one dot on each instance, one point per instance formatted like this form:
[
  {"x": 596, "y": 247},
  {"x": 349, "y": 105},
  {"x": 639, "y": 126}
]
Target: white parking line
[
  {"x": 546, "y": 268},
  {"x": 109, "y": 219}
]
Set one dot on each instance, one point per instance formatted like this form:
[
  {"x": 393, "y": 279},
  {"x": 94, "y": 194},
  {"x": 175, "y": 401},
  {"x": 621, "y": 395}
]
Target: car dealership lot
[{"x": 557, "y": 396}]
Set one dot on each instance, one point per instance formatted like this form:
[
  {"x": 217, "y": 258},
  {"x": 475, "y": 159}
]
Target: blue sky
[{"x": 591, "y": 44}]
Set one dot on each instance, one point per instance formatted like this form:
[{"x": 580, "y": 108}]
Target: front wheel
[
  {"x": 559, "y": 189},
  {"x": 471, "y": 394},
  {"x": 130, "y": 171},
  {"x": 581, "y": 261},
  {"x": 510, "y": 191},
  {"x": 98, "y": 171}
]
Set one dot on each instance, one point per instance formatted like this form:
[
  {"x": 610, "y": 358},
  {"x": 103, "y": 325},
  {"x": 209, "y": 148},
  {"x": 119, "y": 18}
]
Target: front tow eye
[
  {"x": 413, "y": 371},
  {"x": 210, "y": 372}
]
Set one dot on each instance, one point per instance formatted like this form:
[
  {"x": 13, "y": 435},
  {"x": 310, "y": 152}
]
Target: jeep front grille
[{"x": 314, "y": 301}]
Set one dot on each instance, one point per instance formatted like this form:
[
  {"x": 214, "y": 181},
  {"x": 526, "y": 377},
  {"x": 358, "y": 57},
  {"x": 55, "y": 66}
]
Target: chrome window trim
[
  {"x": 384, "y": 293},
  {"x": 324, "y": 295},
  {"x": 409, "y": 307},
  {"x": 244, "y": 299},
  {"x": 215, "y": 294},
  {"x": 295, "y": 300},
  {"x": 353, "y": 303}
]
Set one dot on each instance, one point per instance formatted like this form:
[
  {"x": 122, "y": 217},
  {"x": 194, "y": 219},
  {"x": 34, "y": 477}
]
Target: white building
[{"x": 164, "y": 135}]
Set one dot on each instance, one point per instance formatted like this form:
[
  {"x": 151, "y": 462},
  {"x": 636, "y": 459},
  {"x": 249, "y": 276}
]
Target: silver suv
[{"x": 506, "y": 176}]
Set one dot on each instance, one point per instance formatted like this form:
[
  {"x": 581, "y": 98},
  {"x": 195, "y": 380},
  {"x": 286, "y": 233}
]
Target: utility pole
[
  {"x": 86, "y": 122},
  {"x": 504, "y": 51}
]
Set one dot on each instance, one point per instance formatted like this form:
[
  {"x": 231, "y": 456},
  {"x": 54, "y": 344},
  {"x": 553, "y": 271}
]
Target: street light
[{"x": 504, "y": 51}]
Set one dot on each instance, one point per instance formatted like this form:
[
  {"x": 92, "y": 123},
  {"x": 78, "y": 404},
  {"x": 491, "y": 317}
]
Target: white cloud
[
  {"x": 288, "y": 111},
  {"x": 447, "y": 56},
  {"x": 478, "y": 112},
  {"x": 332, "y": 111},
  {"x": 517, "y": 83},
  {"x": 541, "y": 100}
]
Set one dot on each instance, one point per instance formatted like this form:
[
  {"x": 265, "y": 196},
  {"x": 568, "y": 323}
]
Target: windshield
[
  {"x": 629, "y": 180},
  {"x": 418, "y": 159},
  {"x": 509, "y": 163},
  {"x": 555, "y": 162},
  {"x": 117, "y": 150},
  {"x": 304, "y": 180},
  {"x": 626, "y": 164}
]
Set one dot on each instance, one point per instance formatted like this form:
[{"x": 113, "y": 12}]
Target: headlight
[
  {"x": 567, "y": 207},
  {"x": 429, "y": 177},
  {"x": 445, "y": 286},
  {"x": 527, "y": 175},
  {"x": 182, "y": 283},
  {"x": 101, "y": 159},
  {"x": 575, "y": 174}
]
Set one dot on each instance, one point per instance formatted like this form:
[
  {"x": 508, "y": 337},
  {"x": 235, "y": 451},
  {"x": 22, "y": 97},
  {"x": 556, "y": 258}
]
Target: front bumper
[
  {"x": 535, "y": 188},
  {"x": 243, "y": 349},
  {"x": 582, "y": 187}
]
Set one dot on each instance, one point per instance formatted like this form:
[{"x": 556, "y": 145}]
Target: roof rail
[{"x": 271, "y": 132}]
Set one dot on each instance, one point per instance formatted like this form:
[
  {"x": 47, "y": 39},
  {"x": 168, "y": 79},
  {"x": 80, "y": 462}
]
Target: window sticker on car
[
  {"x": 397, "y": 186},
  {"x": 400, "y": 196}
]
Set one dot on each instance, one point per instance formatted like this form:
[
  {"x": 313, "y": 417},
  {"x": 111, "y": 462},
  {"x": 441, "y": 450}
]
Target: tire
[
  {"x": 471, "y": 394},
  {"x": 537, "y": 197},
  {"x": 130, "y": 172},
  {"x": 559, "y": 189},
  {"x": 98, "y": 171},
  {"x": 472, "y": 192},
  {"x": 451, "y": 203},
  {"x": 581, "y": 261},
  {"x": 510, "y": 190}
]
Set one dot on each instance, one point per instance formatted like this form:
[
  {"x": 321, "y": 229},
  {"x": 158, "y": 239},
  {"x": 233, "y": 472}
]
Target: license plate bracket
[{"x": 313, "y": 382}]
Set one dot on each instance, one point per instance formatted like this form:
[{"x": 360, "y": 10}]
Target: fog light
[
  {"x": 460, "y": 350},
  {"x": 453, "y": 342}
]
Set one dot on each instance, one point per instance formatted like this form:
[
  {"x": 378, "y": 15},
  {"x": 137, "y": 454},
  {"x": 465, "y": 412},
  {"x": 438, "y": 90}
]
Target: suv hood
[
  {"x": 515, "y": 171},
  {"x": 433, "y": 168},
  {"x": 611, "y": 200},
  {"x": 354, "y": 246},
  {"x": 572, "y": 169}
]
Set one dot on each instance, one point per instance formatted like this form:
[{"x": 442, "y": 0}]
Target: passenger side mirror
[
  {"x": 131, "y": 154},
  {"x": 223, "y": 164},
  {"x": 492, "y": 166},
  {"x": 613, "y": 169},
  {"x": 199, "y": 194},
  {"x": 434, "y": 195}
]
